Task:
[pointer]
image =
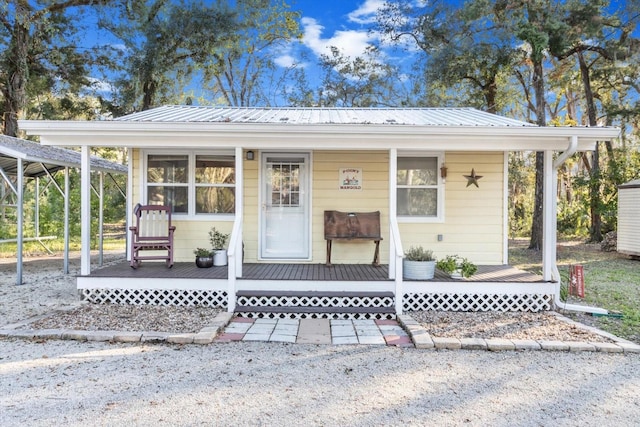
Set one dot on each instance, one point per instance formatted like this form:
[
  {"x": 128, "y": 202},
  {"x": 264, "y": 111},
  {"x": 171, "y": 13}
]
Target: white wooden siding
[{"x": 629, "y": 221}]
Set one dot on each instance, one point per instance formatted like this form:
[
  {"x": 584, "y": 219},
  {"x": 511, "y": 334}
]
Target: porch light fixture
[
  {"x": 443, "y": 173},
  {"x": 250, "y": 155}
]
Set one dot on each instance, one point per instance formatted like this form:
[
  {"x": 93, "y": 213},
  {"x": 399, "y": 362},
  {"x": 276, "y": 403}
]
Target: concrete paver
[{"x": 316, "y": 331}]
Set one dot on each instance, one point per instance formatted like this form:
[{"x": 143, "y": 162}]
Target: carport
[{"x": 21, "y": 160}]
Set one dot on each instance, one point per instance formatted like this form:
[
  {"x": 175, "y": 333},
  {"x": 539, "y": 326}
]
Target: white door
[{"x": 284, "y": 223}]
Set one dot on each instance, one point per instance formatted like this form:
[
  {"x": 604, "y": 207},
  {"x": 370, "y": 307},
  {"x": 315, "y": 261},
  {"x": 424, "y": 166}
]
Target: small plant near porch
[
  {"x": 218, "y": 242},
  {"x": 457, "y": 266},
  {"x": 418, "y": 264},
  {"x": 204, "y": 257}
]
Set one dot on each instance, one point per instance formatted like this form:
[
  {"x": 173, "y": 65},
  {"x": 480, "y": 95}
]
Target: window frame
[
  {"x": 439, "y": 186},
  {"x": 191, "y": 181}
]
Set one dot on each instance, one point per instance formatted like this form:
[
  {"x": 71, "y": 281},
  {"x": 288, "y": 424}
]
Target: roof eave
[{"x": 149, "y": 134}]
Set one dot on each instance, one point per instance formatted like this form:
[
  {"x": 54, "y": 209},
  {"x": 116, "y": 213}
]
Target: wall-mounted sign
[{"x": 350, "y": 179}]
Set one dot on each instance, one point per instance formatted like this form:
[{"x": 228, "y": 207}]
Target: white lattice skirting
[
  {"x": 477, "y": 302},
  {"x": 328, "y": 307},
  {"x": 313, "y": 301},
  {"x": 203, "y": 298}
]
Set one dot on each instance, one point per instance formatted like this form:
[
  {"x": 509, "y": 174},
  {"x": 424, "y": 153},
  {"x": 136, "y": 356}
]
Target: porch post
[
  {"x": 395, "y": 244},
  {"x": 85, "y": 211},
  {"x": 549, "y": 218},
  {"x": 101, "y": 220}
]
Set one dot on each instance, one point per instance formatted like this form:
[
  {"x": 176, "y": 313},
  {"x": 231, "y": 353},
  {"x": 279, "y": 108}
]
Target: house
[{"x": 438, "y": 177}]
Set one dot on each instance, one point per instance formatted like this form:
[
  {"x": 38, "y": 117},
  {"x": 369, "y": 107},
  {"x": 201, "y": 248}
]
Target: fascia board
[{"x": 136, "y": 134}]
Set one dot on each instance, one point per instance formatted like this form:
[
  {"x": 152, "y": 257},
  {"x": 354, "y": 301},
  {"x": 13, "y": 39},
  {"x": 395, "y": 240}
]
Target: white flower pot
[
  {"x": 418, "y": 270},
  {"x": 220, "y": 257}
]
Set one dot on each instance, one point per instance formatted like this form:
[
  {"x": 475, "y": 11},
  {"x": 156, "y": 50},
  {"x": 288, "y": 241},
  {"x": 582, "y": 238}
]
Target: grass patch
[
  {"x": 612, "y": 282},
  {"x": 34, "y": 249}
]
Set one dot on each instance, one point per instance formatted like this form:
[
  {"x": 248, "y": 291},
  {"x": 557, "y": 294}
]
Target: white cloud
[
  {"x": 285, "y": 61},
  {"x": 351, "y": 43},
  {"x": 366, "y": 13}
]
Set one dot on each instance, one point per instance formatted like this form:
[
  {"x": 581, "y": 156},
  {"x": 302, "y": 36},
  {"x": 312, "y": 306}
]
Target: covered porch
[{"x": 316, "y": 290}]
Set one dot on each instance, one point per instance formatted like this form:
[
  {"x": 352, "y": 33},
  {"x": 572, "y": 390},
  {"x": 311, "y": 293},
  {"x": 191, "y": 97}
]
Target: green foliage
[
  {"x": 364, "y": 81},
  {"x": 166, "y": 42},
  {"x": 218, "y": 239},
  {"x": 418, "y": 253},
  {"x": 242, "y": 71},
  {"x": 202, "y": 252},
  {"x": 452, "y": 263}
]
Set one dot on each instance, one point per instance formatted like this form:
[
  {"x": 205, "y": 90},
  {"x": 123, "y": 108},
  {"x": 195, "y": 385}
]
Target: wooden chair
[{"x": 153, "y": 232}]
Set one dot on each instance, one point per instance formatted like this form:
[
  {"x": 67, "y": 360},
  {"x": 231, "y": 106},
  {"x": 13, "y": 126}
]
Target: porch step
[{"x": 315, "y": 304}]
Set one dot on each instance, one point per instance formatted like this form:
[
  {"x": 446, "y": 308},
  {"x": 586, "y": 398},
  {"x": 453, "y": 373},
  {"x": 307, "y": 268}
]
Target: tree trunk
[
  {"x": 537, "y": 221},
  {"x": 595, "y": 231},
  {"x": 17, "y": 74}
]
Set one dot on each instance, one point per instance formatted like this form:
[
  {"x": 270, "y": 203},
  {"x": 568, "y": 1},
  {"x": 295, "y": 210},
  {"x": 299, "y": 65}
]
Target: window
[
  {"x": 167, "y": 181},
  {"x": 215, "y": 184},
  {"x": 418, "y": 192},
  {"x": 198, "y": 184}
]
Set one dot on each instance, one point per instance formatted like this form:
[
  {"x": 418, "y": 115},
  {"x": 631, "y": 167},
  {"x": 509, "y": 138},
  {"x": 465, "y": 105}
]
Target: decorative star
[{"x": 473, "y": 178}]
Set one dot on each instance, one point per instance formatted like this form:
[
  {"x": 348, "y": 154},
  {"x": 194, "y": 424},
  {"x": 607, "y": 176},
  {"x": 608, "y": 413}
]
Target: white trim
[
  {"x": 308, "y": 196},
  {"x": 85, "y": 210},
  {"x": 505, "y": 208},
  {"x": 549, "y": 218},
  {"x": 191, "y": 154},
  {"x": 440, "y": 187},
  {"x": 312, "y": 136},
  {"x": 498, "y": 288},
  {"x": 130, "y": 169},
  {"x": 186, "y": 284},
  {"x": 314, "y": 285}
]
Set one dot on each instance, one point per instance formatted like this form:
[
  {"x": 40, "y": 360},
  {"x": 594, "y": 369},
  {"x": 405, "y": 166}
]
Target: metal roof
[
  {"x": 39, "y": 157},
  {"x": 303, "y": 116},
  {"x": 630, "y": 184}
]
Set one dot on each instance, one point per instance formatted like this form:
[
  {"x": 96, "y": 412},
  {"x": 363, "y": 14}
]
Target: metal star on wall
[{"x": 473, "y": 178}]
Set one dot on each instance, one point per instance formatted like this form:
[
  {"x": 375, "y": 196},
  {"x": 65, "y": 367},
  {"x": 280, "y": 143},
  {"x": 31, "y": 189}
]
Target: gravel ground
[
  {"x": 45, "y": 383},
  {"x": 261, "y": 384}
]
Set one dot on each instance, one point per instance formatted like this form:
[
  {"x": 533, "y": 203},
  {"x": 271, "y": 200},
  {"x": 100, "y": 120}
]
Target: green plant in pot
[
  {"x": 218, "y": 243},
  {"x": 418, "y": 264},
  {"x": 457, "y": 266},
  {"x": 204, "y": 257}
]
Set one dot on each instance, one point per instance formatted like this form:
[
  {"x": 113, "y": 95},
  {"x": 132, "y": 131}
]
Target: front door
[{"x": 284, "y": 222}]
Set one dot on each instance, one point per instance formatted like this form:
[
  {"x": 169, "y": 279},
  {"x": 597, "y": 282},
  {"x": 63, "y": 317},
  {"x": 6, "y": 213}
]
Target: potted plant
[
  {"x": 218, "y": 241},
  {"x": 457, "y": 267},
  {"x": 204, "y": 257},
  {"x": 418, "y": 264}
]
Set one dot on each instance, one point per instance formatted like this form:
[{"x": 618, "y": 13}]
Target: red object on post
[{"x": 576, "y": 281}]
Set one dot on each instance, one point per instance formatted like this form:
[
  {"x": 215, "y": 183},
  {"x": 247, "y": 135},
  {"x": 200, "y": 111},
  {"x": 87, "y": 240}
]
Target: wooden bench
[
  {"x": 350, "y": 226},
  {"x": 153, "y": 232}
]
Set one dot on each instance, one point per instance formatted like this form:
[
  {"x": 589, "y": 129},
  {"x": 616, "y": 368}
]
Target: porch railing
[{"x": 395, "y": 261}]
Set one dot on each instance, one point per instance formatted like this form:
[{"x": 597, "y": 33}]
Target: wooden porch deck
[{"x": 316, "y": 272}]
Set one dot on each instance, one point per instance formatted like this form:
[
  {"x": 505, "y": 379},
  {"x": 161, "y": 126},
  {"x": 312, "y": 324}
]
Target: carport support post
[
  {"x": 20, "y": 210},
  {"x": 85, "y": 211},
  {"x": 66, "y": 221}
]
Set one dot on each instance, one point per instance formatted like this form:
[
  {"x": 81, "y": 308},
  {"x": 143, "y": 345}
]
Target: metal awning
[
  {"x": 38, "y": 159},
  {"x": 20, "y": 159}
]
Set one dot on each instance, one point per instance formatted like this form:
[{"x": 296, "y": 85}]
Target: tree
[
  {"x": 464, "y": 49},
  {"x": 166, "y": 42},
  {"x": 36, "y": 45},
  {"x": 364, "y": 81},
  {"x": 588, "y": 38},
  {"x": 236, "y": 73}
]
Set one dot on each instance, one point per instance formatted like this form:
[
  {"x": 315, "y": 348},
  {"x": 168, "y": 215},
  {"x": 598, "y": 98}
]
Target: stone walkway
[{"x": 316, "y": 331}]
